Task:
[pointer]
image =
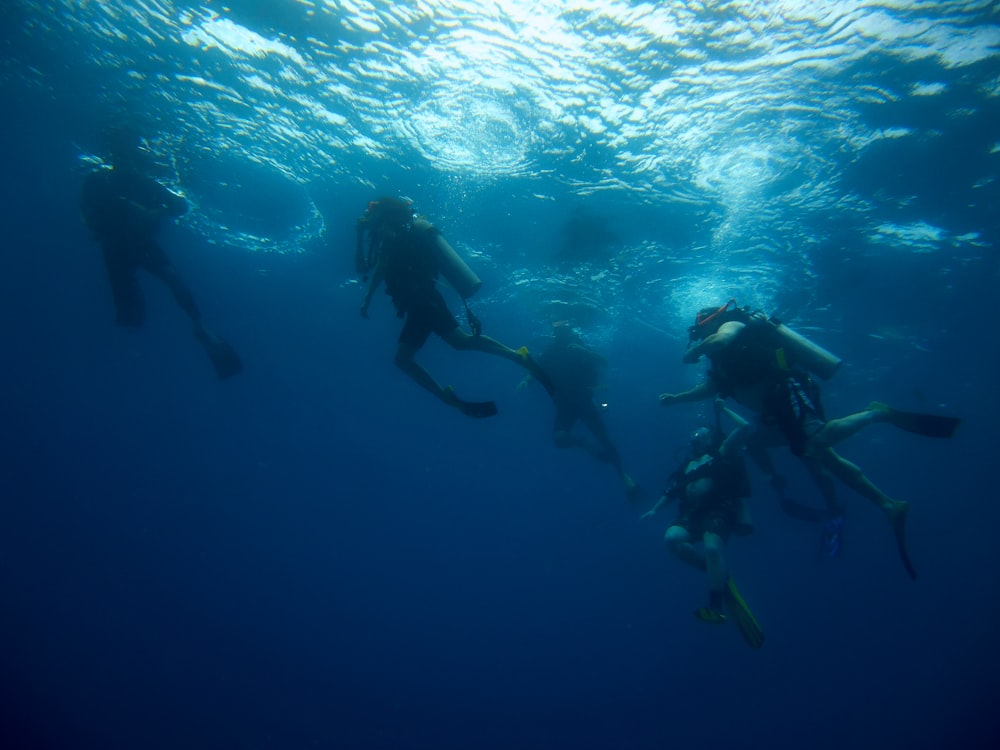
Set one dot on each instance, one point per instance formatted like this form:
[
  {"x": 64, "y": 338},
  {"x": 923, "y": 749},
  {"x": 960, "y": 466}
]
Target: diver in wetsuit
[
  {"x": 711, "y": 485},
  {"x": 123, "y": 208},
  {"x": 574, "y": 371},
  {"x": 407, "y": 254},
  {"x": 755, "y": 363}
]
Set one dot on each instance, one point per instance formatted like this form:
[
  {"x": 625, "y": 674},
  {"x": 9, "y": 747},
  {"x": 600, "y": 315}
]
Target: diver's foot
[{"x": 711, "y": 616}]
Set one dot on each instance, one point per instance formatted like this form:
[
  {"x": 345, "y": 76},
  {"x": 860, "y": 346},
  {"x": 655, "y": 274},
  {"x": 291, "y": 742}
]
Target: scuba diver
[
  {"x": 766, "y": 367},
  {"x": 123, "y": 208},
  {"x": 711, "y": 484},
  {"x": 408, "y": 253},
  {"x": 574, "y": 371}
]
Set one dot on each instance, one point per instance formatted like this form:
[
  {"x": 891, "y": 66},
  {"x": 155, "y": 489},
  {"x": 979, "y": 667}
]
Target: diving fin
[
  {"x": 928, "y": 425},
  {"x": 478, "y": 409},
  {"x": 224, "y": 358},
  {"x": 743, "y": 617}
]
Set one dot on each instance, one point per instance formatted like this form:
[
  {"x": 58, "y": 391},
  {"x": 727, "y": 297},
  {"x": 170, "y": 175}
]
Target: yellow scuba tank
[
  {"x": 455, "y": 270},
  {"x": 806, "y": 353}
]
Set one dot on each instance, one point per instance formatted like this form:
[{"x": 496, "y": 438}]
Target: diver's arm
[
  {"x": 174, "y": 205},
  {"x": 656, "y": 508},
  {"x": 717, "y": 341},
  {"x": 734, "y": 440},
  {"x": 699, "y": 393},
  {"x": 373, "y": 283},
  {"x": 158, "y": 201}
]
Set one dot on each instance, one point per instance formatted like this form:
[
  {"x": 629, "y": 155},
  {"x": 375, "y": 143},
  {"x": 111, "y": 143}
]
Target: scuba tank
[
  {"x": 450, "y": 265},
  {"x": 806, "y": 353},
  {"x": 462, "y": 278},
  {"x": 792, "y": 350}
]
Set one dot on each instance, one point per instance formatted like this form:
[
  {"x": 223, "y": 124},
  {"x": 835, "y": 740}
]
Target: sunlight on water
[{"x": 745, "y": 113}]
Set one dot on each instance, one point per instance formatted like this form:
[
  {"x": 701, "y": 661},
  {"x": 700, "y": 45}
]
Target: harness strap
[{"x": 472, "y": 320}]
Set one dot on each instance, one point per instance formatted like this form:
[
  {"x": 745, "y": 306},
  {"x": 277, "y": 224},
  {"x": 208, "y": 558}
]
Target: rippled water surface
[{"x": 740, "y": 119}]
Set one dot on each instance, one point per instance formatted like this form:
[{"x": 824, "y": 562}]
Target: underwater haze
[{"x": 316, "y": 553}]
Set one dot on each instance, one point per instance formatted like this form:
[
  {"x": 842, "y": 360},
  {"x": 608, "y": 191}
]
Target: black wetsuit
[
  {"x": 720, "y": 509},
  {"x": 574, "y": 372},
  {"x": 123, "y": 211},
  {"x": 411, "y": 266}
]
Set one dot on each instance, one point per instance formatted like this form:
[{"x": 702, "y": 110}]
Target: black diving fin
[
  {"x": 478, "y": 409},
  {"x": 224, "y": 358},
  {"x": 928, "y": 425}
]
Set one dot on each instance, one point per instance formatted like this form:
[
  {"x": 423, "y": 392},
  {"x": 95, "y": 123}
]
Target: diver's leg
[
  {"x": 759, "y": 454},
  {"x": 824, "y": 481},
  {"x": 838, "y": 430},
  {"x": 715, "y": 559},
  {"x": 225, "y": 360},
  {"x": 718, "y": 574},
  {"x": 130, "y": 308},
  {"x": 564, "y": 437},
  {"x": 459, "y": 339},
  {"x": 851, "y": 475},
  {"x": 678, "y": 541},
  {"x": 606, "y": 450},
  {"x": 568, "y": 411},
  {"x": 562, "y": 427},
  {"x": 896, "y": 511},
  {"x": 405, "y": 353},
  {"x": 156, "y": 262}
]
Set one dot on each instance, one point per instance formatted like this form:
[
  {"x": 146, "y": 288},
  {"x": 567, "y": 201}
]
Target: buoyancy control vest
[
  {"x": 754, "y": 356},
  {"x": 728, "y": 474},
  {"x": 411, "y": 264}
]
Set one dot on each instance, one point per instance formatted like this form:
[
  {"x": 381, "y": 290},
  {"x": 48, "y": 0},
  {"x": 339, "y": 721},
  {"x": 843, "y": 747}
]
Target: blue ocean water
[{"x": 316, "y": 553}]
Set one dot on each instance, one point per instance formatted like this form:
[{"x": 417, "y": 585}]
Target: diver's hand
[
  {"x": 364, "y": 311},
  {"x": 666, "y": 399},
  {"x": 523, "y": 384},
  {"x": 655, "y": 509}
]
